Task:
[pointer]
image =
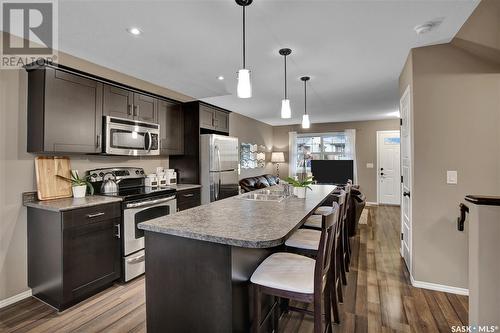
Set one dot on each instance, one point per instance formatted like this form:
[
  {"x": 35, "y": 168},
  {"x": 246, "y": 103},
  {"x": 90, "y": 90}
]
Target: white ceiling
[{"x": 353, "y": 50}]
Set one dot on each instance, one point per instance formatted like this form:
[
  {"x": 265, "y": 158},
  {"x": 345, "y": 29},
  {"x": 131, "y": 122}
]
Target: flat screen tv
[{"x": 332, "y": 171}]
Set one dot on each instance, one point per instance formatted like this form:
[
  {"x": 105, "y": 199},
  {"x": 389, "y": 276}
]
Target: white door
[
  {"x": 406, "y": 155},
  {"x": 388, "y": 161}
]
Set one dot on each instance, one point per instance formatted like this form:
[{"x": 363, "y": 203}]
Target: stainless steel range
[{"x": 140, "y": 203}]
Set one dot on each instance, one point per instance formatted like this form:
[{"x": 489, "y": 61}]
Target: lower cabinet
[
  {"x": 73, "y": 254},
  {"x": 188, "y": 199}
]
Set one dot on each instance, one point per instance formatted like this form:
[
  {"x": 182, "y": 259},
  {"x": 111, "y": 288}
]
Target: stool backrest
[
  {"x": 323, "y": 259},
  {"x": 340, "y": 199},
  {"x": 347, "y": 190}
]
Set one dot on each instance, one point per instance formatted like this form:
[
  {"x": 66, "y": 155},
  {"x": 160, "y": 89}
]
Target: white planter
[
  {"x": 79, "y": 191},
  {"x": 300, "y": 192}
]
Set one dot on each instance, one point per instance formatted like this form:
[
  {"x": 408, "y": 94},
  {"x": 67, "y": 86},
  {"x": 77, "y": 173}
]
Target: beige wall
[
  {"x": 366, "y": 146},
  {"x": 249, "y": 130},
  {"x": 456, "y": 118},
  {"x": 17, "y": 166}
]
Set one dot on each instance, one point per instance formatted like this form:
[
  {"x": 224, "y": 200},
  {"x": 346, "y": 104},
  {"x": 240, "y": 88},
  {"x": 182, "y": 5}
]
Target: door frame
[
  {"x": 407, "y": 95},
  {"x": 378, "y": 160}
]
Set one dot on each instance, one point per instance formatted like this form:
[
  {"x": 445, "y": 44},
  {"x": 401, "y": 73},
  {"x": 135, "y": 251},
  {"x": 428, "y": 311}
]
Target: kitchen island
[{"x": 199, "y": 261}]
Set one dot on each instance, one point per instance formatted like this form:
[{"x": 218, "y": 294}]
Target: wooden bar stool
[
  {"x": 345, "y": 231},
  {"x": 300, "y": 278},
  {"x": 305, "y": 241}
]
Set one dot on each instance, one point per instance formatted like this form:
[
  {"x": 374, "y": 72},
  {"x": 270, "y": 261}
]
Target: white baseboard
[
  {"x": 439, "y": 287},
  {"x": 369, "y": 203},
  {"x": 15, "y": 298}
]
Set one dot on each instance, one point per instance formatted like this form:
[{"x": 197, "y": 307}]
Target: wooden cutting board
[{"x": 49, "y": 186}]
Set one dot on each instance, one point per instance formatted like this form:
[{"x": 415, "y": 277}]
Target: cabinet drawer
[
  {"x": 88, "y": 215},
  {"x": 188, "y": 199}
]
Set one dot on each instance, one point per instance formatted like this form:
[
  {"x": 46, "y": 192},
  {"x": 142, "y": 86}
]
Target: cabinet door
[
  {"x": 222, "y": 121},
  {"x": 91, "y": 257},
  {"x": 145, "y": 108},
  {"x": 117, "y": 102},
  {"x": 206, "y": 117},
  {"x": 171, "y": 120},
  {"x": 73, "y": 113}
]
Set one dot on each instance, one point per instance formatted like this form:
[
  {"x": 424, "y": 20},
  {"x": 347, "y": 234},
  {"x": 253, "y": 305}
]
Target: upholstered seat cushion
[
  {"x": 323, "y": 210},
  {"x": 304, "y": 239},
  {"x": 314, "y": 221},
  {"x": 286, "y": 271}
]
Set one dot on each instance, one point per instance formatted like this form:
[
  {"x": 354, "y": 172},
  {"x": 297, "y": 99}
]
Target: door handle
[
  {"x": 464, "y": 210},
  {"x": 382, "y": 173},
  {"x": 406, "y": 194}
]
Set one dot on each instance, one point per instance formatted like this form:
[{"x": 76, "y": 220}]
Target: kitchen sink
[{"x": 264, "y": 195}]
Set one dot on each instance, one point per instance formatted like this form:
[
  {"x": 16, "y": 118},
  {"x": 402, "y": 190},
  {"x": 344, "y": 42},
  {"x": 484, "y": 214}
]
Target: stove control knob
[
  {"x": 136, "y": 172},
  {"x": 142, "y": 172},
  {"x": 94, "y": 175},
  {"x": 101, "y": 174}
]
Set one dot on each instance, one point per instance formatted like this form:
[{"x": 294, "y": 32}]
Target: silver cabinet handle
[
  {"x": 90, "y": 216},
  {"x": 129, "y": 111},
  {"x": 136, "y": 110},
  {"x": 188, "y": 195},
  {"x": 118, "y": 231},
  {"x": 98, "y": 141},
  {"x": 136, "y": 259}
]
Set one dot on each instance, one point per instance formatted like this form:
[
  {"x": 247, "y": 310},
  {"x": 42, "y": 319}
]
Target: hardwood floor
[{"x": 378, "y": 297}]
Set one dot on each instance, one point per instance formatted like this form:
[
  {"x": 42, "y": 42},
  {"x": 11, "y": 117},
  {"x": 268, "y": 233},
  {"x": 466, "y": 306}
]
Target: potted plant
[
  {"x": 79, "y": 185},
  {"x": 300, "y": 186}
]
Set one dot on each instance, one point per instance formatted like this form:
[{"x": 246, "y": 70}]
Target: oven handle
[{"x": 149, "y": 203}]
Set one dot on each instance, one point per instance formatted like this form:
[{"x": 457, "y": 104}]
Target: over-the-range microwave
[{"x": 130, "y": 137}]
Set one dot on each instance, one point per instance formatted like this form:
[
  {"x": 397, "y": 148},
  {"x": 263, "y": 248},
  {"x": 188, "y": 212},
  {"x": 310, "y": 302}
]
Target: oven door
[
  {"x": 128, "y": 137},
  {"x": 137, "y": 212}
]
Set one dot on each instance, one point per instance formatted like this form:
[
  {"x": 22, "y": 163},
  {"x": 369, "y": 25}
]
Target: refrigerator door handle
[{"x": 217, "y": 185}]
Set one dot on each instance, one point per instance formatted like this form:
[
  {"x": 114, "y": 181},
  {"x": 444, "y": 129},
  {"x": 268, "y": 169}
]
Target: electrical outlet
[
  {"x": 369, "y": 165},
  {"x": 29, "y": 197},
  {"x": 451, "y": 177}
]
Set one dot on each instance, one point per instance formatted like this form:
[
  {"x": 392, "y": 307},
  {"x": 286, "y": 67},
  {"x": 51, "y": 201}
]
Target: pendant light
[
  {"x": 286, "y": 112},
  {"x": 244, "y": 88},
  {"x": 305, "y": 118}
]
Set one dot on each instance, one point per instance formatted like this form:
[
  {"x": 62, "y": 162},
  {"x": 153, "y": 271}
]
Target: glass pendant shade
[
  {"x": 286, "y": 112},
  {"x": 244, "y": 89},
  {"x": 305, "y": 121}
]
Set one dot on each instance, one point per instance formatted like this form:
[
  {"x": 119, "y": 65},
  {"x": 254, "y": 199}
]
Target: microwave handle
[{"x": 150, "y": 141}]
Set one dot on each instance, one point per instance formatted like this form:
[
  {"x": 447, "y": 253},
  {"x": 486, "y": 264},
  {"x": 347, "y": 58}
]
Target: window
[{"x": 328, "y": 146}]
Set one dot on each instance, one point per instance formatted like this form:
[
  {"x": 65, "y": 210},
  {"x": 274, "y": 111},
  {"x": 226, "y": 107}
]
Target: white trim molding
[
  {"x": 369, "y": 203},
  {"x": 15, "y": 298},
  {"x": 439, "y": 287}
]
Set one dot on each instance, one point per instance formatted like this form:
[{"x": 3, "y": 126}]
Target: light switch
[
  {"x": 369, "y": 165},
  {"x": 451, "y": 177}
]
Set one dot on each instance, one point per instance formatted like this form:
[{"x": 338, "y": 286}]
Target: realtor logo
[{"x": 30, "y": 32}]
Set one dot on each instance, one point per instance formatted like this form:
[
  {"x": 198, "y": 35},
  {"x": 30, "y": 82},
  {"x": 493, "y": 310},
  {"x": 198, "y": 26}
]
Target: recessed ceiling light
[
  {"x": 220, "y": 77},
  {"x": 134, "y": 31},
  {"x": 428, "y": 26}
]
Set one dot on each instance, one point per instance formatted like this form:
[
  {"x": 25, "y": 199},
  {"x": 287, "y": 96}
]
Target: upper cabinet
[
  {"x": 123, "y": 103},
  {"x": 171, "y": 120},
  {"x": 64, "y": 112},
  {"x": 213, "y": 118}
]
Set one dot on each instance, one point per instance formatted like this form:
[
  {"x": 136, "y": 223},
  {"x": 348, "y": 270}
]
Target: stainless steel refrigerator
[{"x": 219, "y": 159}]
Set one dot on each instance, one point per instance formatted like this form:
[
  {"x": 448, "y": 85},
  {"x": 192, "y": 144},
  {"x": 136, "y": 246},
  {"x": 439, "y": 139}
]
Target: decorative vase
[
  {"x": 300, "y": 192},
  {"x": 79, "y": 191}
]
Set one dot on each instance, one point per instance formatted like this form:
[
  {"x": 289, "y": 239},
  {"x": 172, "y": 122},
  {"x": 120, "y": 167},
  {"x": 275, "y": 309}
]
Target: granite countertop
[
  {"x": 184, "y": 187},
  {"x": 239, "y": 222},
  {"x": 60, "y": 205}
]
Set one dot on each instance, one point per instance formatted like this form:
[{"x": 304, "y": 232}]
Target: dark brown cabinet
[
  {"x": 171, "y": 120},
  {"x": 64, "y": 112},
  {"x": 73, "y": 254},
  {"x": 188, "y": 199},
  {"x": 124, "y": 103},
  {"x": 118, "y": 102},
  {"x": 212, "y": 118}
]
